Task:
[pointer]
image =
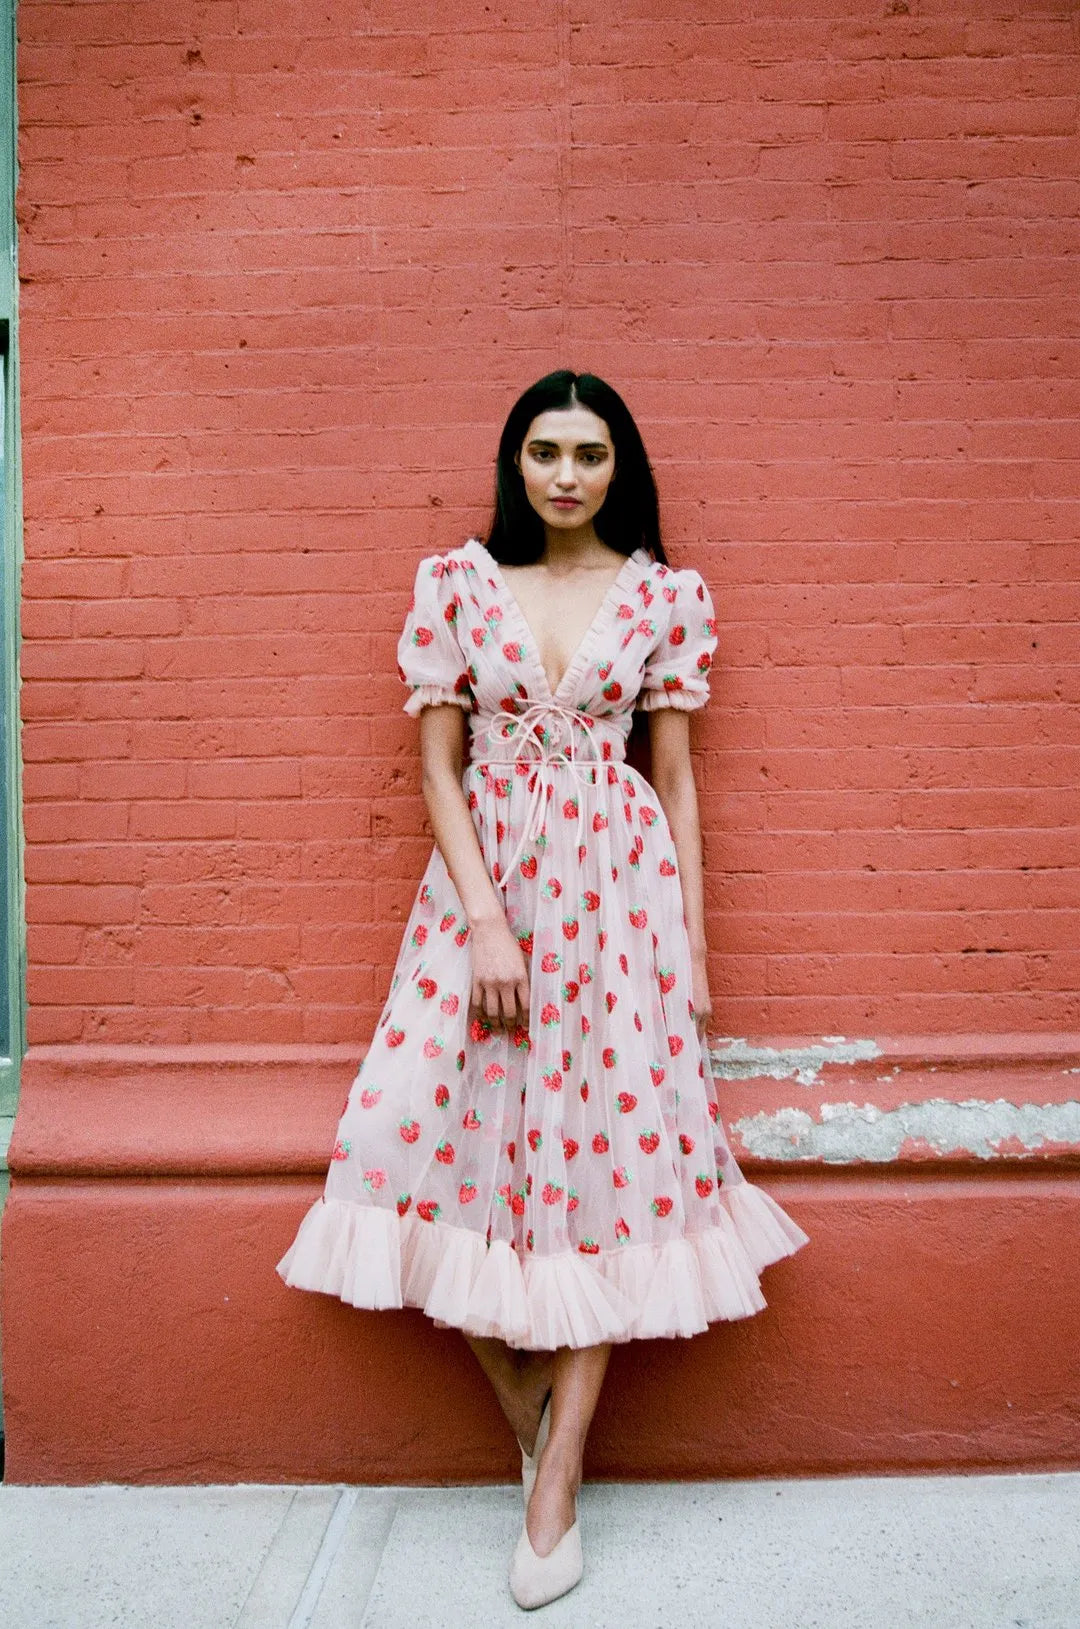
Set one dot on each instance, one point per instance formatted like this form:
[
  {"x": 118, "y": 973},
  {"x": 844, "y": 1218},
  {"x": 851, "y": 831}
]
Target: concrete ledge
[
  {"x": 242, "y": 1111},
  {"x": 148, "y": 1338}
]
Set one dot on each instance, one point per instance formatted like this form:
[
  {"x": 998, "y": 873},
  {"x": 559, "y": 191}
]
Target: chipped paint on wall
[
  {"x": 852, "y": 1133},
  {"x": 739, "y": 1060}
]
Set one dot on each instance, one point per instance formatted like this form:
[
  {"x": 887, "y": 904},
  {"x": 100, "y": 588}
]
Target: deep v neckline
[{"x": 579, "y": 659}]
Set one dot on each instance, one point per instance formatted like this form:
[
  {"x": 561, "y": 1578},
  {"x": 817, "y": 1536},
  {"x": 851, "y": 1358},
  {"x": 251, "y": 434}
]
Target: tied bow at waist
[{"x": 551, "y": 738}]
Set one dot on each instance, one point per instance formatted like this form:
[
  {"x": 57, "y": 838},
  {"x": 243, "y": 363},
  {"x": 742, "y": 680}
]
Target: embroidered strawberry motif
[
  {"x": 704, "y": 662},
  {"x": 462, "y": 934},
  {"x": 342, "y": 1149},
  {"x": 599, "y": 821},
  {"x": 552, "y": 888},
  {"x": 656, "y": 1070},
  {"x": 517, "y": 1203},
  {"x": 589, "y": 1247},
  {"x": 570, "y": 927},
  {"x": 479, "y": 1030},
  {"x": 572, "y": 1200},
  {"x": 677, "y": 634},
  {"x": 675, "y": 1045},
  {"x": 704, "y": 1185},
  {"x": 639, "y": 918},
  {"x": 567, "y": 1061},
  {"x": 609, "y": 1057},
  {"x": 525, "y": 940},
  {"x": 552, "y": 1079},
  {"x": 374, "y": 1180},
  {"x": 647, "y": 815},
  {"x": 410, "y": 1130},
  {"x": 622, "y": 1230},
  {"x": 449, "y": 1005},
  {"x": 551, "y": 961},
  {"x": 444, "y": 1153},
  {"x": 427, "y": 988},
  {"x": 423, "y": 637},
  {"x": 584, "y": 973},
  {"x": 494, "y": 1074},
  {"x": 394, "y": 1037},
  {"x": 626, "y": 1102},
  {"x": 472, "y": 1121},
  {"x": 570, "y": 991},
  {"x": 584, "y": 1090},
  {"x": 714, "y": 1113},
  {"x": 447, "y": 921},
  {"x": 600, "y": 1144},
  {"x": 528, "y": 867},
  {"x": 661, "y": 1205},
  {"x": 433, "y": 1046},
  {"x": 620, "y": 1176},
  {"x": 686, "y": 1144},
  {"x": 667, "y": 867},
  {"x": 467, "y": 1192},
  {"x": 534, "y": 1139},
  {"x": 419, "y": 937},
  {"x": 604, "y": 670},
  {"x": 549, "y": 1014},
  {"x": 442, "y": 1096},
  {"x": 590, "y": 900},
  {"x": 649, "y": 1142},
  {"x": 521, "y": 1038},
  {"x": 666, "y": 980},
  {"x": 370, "y": 1096},
  {"x": 551, "y": 1193},
  {"x": 570, "y": 808},
  {"x": 613, "y": 691},
  {"x": 610, "y": 1000},
  {"x": 512, "y": 651},
  {"x": 404, "y": 1200},
  {"x": 460, "y": 1060},
  {"x": 569, "y": 1148},
  {"x": 428, "y": 1210},
  {"x": 672, "y": 682}
]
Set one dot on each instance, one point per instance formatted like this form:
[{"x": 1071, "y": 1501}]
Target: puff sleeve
[
  {"x": 430, "y": 659},
  {"x": 677, "y": 668}
]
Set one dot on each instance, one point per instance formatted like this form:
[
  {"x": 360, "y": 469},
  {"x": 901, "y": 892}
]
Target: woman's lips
[{"x": 567, "y": 503}]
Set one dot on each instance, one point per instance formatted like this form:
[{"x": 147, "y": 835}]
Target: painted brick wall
[{"x": 285, "y": 267}]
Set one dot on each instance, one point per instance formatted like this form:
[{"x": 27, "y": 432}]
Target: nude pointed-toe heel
[
  {"x": 530, "y": 1463},
  {"x": 535, "y": 1580}
]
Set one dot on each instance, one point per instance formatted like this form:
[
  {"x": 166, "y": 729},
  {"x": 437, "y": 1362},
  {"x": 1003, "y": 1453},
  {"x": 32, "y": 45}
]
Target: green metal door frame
[{"x": 12, "y": 894}]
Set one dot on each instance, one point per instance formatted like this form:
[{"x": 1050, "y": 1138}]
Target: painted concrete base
[
  {"x": 910, "y": 1553},
  {"x": 933, "y": 1321}
]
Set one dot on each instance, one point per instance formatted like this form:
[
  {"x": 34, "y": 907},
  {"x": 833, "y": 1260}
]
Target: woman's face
[{"x": 567, "y": 462}]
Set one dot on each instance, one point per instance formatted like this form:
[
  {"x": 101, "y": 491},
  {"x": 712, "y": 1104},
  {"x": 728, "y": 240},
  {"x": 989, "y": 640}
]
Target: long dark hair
[{"x": 630, "y": 516}]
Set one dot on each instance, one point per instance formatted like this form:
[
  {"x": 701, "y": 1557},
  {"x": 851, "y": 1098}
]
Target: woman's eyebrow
[{"x": 580, "y": 446}]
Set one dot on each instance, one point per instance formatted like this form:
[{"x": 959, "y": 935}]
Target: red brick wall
[{"x": 285, "y": 267}]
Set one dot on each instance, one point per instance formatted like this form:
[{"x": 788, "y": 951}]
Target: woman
[{"x": 532, "y": 1150}]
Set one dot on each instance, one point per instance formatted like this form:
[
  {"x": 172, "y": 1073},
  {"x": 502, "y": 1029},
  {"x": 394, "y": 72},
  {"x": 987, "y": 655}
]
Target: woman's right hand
[{"x": 500, "y": 975}]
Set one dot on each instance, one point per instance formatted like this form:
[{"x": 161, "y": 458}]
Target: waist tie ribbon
[{"x": 528, "y": 736}]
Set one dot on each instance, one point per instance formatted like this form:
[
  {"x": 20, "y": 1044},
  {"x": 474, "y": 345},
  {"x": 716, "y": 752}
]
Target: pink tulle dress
[{"x": 570, "y": 1183}]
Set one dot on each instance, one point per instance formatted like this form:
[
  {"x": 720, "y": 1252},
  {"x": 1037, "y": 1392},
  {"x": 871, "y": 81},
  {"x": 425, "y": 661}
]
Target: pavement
[{"x": 937, "y": 1552}]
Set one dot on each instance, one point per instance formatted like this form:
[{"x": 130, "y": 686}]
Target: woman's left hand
[{"x": 700, "y": 993}]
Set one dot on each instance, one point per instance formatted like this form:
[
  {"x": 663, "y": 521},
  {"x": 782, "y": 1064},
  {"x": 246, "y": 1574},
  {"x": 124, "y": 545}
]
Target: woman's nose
[{"x": 566, "y": 475}]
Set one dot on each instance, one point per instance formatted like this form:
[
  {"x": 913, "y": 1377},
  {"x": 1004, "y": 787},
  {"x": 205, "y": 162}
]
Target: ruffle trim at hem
[{"x": 371, "y": 1258}]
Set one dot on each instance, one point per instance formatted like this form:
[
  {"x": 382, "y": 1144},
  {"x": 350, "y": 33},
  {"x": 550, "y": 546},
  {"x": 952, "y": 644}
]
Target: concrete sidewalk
[{"x": 964, "y": 1552}]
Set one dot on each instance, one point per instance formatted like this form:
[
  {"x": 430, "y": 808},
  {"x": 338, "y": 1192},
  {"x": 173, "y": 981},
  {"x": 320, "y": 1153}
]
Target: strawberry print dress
[{"x": 570, "y": 1183}]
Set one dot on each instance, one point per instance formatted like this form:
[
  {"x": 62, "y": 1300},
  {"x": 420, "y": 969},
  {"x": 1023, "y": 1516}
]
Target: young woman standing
[{"x": 532, "y": 1150}]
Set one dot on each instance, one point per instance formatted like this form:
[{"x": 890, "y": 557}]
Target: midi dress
[{"x": 569, "y": 1183}]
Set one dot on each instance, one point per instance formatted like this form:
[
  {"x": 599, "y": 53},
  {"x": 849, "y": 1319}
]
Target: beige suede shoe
[{"x": 537, "y": 1579}]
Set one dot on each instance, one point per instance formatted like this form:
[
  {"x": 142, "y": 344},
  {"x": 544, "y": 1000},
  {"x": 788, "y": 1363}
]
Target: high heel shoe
[
  {"x": 530, "y": 1462},
  {"x": 537, "y": 1579}
]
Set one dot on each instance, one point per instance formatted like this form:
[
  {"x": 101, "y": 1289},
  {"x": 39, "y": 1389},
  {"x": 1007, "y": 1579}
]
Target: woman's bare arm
[
  {"x": 500, "y": 976},
  {"x": 673, "y": 778}
]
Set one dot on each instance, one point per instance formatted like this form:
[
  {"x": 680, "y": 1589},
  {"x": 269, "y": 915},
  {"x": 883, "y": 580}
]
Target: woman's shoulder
[{"x": 463, "y": 559}]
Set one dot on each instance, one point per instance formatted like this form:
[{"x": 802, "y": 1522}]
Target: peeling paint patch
[
  {"x": 738, "y": 1060},
  {"x": 850, "y": 1133}
]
